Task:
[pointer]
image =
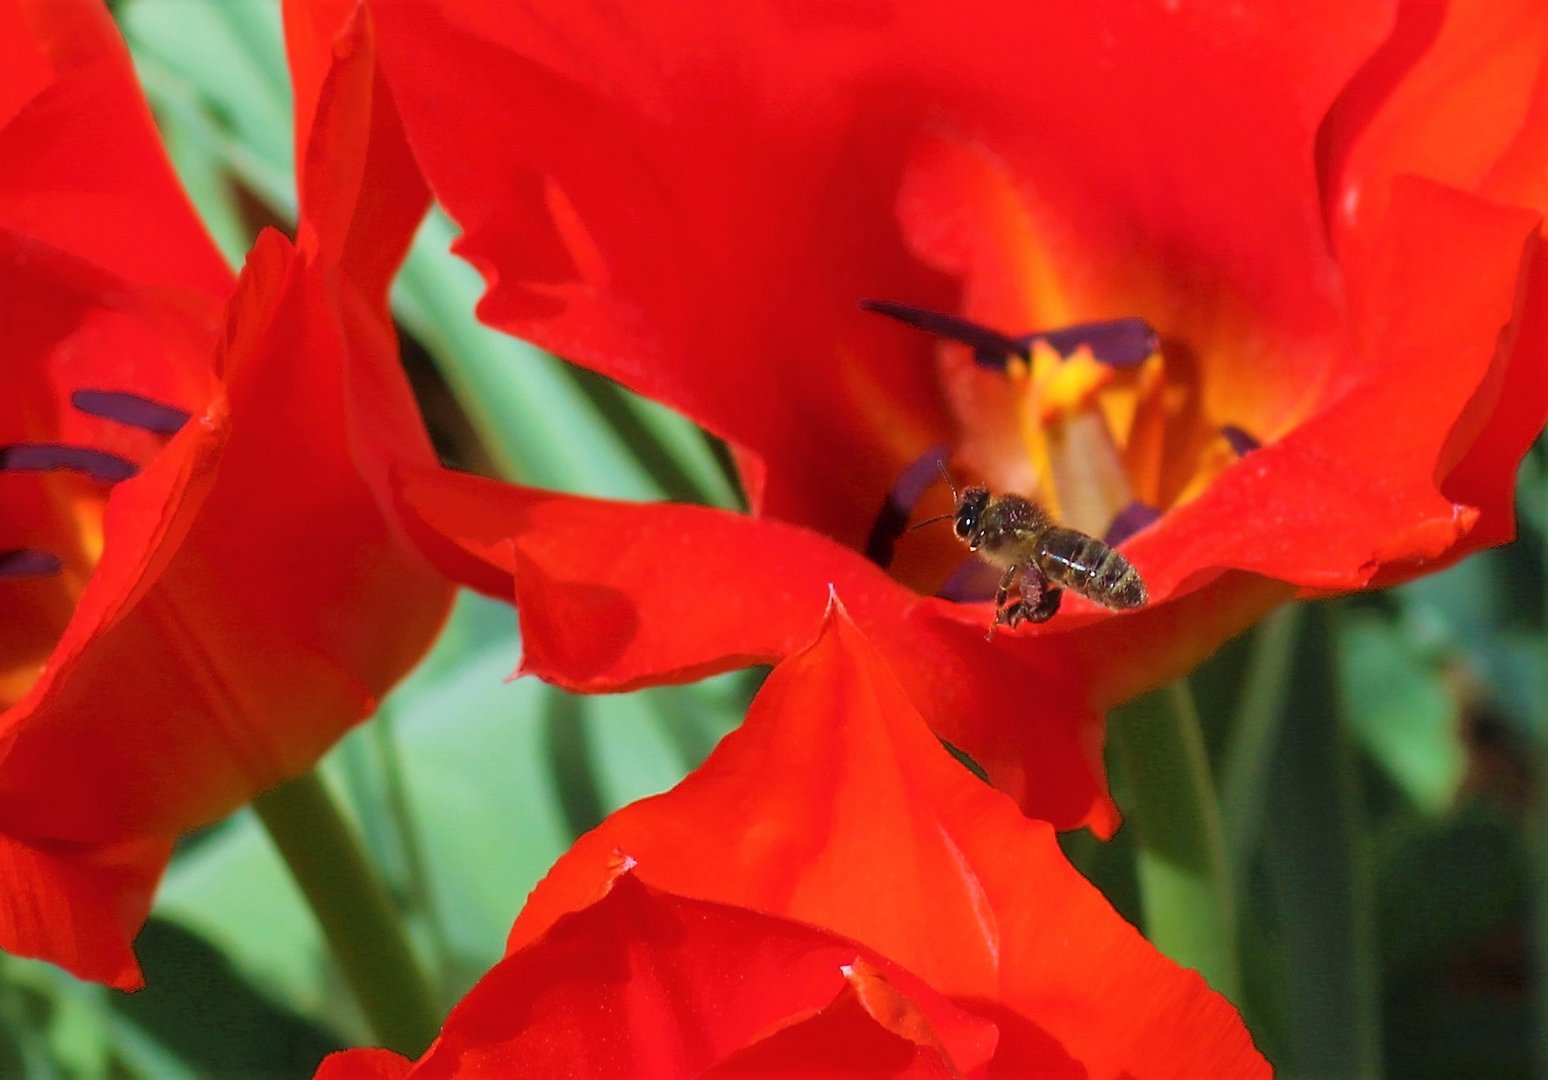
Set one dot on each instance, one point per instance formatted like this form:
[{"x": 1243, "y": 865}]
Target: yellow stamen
[
  {"x": 1070, "y": 386},
  {"x": 1079, "y": 468}
]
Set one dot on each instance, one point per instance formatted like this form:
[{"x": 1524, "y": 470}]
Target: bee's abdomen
[{"x": 1085, "y": 565}]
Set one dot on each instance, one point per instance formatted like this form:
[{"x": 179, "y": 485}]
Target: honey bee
[{"x": 1017, "y": 536}]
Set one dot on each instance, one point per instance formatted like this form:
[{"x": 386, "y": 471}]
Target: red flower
[
  {"x": 832, "y": 809},
  {"x": 204, "y": 580},
  {"x": 693, "y": 206},
  {"x": 709, "y": 990}
]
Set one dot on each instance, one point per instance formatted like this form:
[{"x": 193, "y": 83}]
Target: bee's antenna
[
  {"x": 956, "y": 499},
  {"x": 946, "y": 476},
  {"x": 930, "y": 521}
]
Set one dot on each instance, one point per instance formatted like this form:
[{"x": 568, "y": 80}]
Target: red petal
[
  {"x": 642, "y": 983},
  {"x": 1355, "y": 486},
  {"x": 702, "y": 239},
  {"x": 1455, "y": 95},
  {"x": 870, "y": 1029},
  {"x": 254, "y": 594},
  {"x": 1459, "y": 94},
  {"x": 85, "y": 172},
  {"x": 617, "y": 595},
  {"x": 833, "y": 805},
  {"x": 361, "y": 193},
  {"x": 25, "y": 65},
  {"x": 107, "y": 281},
  {"x": 364, "y": 1064},
  {"x": 260, "y": 607},
  {"x": 1516, "y": 396},
  {"x": 71, "y": 325},
  {"x": 78, "y": 908}
]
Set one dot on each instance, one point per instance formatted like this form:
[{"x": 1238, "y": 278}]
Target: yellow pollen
[
  {"x": 87, "y": 513},
  {"x": 1075, "y": 413},
  {"x": 1070, "y": 386}
]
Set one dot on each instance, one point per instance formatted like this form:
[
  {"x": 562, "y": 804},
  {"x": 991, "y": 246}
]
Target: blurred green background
[{"x": 1376, "y": 757}]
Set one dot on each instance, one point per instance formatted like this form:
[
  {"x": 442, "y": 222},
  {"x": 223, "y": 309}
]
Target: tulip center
[
  {"x": 53, "y": 495},
  {"x": 1068, "y": 410},
  {"x": 1097, "y": 423}
]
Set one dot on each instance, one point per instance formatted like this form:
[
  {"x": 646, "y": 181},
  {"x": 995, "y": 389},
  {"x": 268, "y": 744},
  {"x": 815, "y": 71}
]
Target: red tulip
[
  {"x": 204, "y": 580},
  {"x": 830, "y": 834},
  {"x": 706, "y": 989},
  {"x": 1350, "y": 317}
]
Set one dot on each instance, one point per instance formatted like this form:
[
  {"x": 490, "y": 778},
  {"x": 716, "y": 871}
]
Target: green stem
[
  {"x": 416, "y": 868},
  {"x": 355, "y": 913},
  {"x": 1320, "y": 878},
  {"x": 1537, "y": 839},
  {"x": 1254, "y": 735},
  {"x": 568, "y": 749},
  {"x": 1180, "y": 854},
  {"x": 1533, "y": 481}
]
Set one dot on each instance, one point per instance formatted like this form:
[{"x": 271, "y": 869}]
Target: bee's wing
[{"x": 973, "y": 581}]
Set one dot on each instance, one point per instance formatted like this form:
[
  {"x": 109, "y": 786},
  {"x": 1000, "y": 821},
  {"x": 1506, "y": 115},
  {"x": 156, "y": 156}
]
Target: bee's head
[{"x": 970, "y": 507}]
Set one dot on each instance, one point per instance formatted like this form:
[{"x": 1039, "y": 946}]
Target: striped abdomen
[{"x": 1088, "y": 567}]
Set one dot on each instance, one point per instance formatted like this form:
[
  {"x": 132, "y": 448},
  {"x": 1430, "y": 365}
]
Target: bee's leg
[
  {"x": 1002, "y": 596},
  {"x": 1039, "y": 600},
  {"x": 1048, "y": 606},
  {"x": 1007, "y": 579}
]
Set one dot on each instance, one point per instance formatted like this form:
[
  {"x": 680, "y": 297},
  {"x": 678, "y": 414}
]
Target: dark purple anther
[
  {"x": 28, "y": 562},
  {"x": 892, "y": 519},
  {"x": 1130, "y": 520},
  {"x": 43, "y": 457},
  {"x": 971, "y": 582},
  {"x": 991, "y": 349},
  {"x": 1119, "y": 343},
  {"x": 1240, "y": 441},
  {"x": 131, "y": 409}
]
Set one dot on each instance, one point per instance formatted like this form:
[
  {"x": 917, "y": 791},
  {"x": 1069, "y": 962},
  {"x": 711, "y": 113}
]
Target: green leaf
[
  {"x": 226, "y": 62},
  {"x": 1255, "y": 733},
  {"x": 1532, "y": 492},
  {"x": 1451, "y": 893},
  {"x": 1428, "y": 917},
  {"x": 1401, "y": 710},
  {"x": 1315, "y": 861},
  {"x": 1169, "y": 802},
  {"x": 64, "y": 1027},
  {"x": 1454, "y": 608},
  {"x": 235, "y": 893},
  {"x": 1515, "y": 666},
  {"x": 197, "y": 1010},
  {"x": 194, "y": 147}
]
